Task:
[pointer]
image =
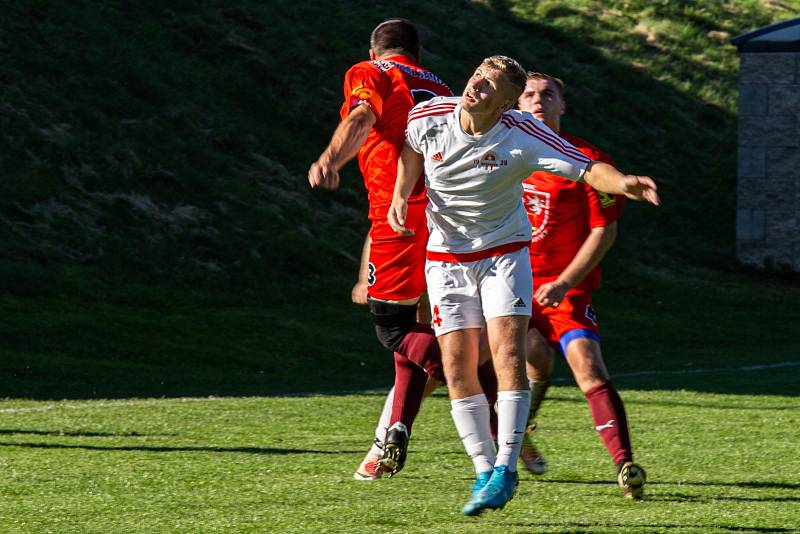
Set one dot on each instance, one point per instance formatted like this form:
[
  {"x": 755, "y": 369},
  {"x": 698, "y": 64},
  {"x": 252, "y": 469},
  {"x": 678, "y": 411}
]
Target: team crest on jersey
[
  {"x": 591, "y": 314},
  {"x": 537, "y": 204},
  {"x": 361, "y": 93},
  {"x": 490, "y": 162},
  {"x": 606, "y": 200}
]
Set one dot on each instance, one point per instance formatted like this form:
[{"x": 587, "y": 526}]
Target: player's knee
[
  {"x": 392, "y": 321},
  {"x": 587, "y": 382},
  {"x": 588, "y": 371}
]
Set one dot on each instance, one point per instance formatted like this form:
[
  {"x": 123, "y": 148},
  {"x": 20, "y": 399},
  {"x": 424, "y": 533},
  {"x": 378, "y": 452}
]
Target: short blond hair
[{"x": 511, "y": 68}]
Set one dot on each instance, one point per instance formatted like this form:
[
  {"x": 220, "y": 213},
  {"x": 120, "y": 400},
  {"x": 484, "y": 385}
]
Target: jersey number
[
  {"x": 370, "y": 274},
  {"x": 437, "y": 319}
]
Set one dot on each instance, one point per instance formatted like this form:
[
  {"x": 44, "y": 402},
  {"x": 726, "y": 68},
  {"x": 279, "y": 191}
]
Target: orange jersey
[
  {"x": 562, "y": 213},
  {"x": 390, "y": 87}
]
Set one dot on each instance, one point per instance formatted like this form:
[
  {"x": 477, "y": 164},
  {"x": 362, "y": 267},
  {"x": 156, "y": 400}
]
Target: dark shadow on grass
[
  {"x": 577, "y": 527},
  {"x": 78, "y": 433},
  {"x": 745, "y": 484},
  {"x": 144, "y": 448},
  {"x": 730, "y": 405},
  {"x": 680, "y": 497}
]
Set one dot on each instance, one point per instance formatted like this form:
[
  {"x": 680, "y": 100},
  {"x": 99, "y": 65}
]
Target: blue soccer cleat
[
  {"x": 495, "y": 494},
  {"x": 471, "y": 508}
]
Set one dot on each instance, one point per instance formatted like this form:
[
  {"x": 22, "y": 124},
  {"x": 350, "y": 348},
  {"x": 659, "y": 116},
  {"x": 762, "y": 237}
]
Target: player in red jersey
[
  {"x": 573, "y": 227},
  {"x": 378, "y": 94},
  {"x": 359, "y": 295}
]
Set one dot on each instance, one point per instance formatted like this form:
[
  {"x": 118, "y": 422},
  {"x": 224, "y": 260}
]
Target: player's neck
[
  {"x": 478, "y": 123},
  {"x": 397, "y": 55}
]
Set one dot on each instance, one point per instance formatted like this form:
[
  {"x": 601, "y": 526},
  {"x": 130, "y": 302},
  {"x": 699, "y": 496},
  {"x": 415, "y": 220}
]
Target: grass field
[
  {"x": 716, "y": 463},
  {"x": 167, "y": 275}
]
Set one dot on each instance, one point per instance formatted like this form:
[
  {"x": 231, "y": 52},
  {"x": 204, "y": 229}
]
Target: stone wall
[{"x": 768, "y": 191}]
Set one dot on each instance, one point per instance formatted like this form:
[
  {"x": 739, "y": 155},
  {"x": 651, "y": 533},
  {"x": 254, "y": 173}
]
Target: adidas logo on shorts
[{"x": 519, "y": 303}]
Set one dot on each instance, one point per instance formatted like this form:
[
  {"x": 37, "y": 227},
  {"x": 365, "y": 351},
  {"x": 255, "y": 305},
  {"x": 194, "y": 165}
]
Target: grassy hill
[{"x": 160, "y": 237}]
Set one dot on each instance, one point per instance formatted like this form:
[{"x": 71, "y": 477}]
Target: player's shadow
[
  {"x": 683, "y": 497},
  {"x": 739, "y": 406},
  {"x": 659, "y": 490},
  {"x": 171, "y": 449},
  {"x": 75, "y": 433},
  {"x": 579, "y": 527},
  {"x": 753, "y": 484}
]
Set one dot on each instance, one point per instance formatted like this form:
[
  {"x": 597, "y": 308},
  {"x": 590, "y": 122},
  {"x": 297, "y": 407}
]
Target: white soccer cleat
[{"x": 368, "y": 470}]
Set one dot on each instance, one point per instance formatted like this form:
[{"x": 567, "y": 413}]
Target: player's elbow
[
  {"x": 606, "y": 235},
  {"x": 609, "y": 234}
]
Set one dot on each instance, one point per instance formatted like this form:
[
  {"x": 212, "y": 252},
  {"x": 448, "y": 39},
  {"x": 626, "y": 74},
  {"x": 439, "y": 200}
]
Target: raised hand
[{"x": 641, "y": 188}]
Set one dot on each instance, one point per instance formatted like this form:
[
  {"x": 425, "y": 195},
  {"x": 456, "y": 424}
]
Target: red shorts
[
  {"x": 397, "y": 262},
  {"x": 575, "y": 313}
]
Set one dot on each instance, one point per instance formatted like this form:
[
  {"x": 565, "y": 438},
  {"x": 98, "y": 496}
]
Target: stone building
[{"x": 768, "y": 190}]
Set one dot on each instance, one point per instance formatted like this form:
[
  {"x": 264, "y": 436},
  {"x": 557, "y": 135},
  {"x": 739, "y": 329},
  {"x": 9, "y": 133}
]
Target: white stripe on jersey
[{"x": 475, "y": 182}]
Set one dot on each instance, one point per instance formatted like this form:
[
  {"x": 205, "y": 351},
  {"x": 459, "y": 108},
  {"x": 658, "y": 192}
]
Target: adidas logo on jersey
[
  {"x": 438, "y": 157},
  {"x": 519, "y": 303}
]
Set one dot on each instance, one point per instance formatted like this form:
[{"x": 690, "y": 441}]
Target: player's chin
[{"x": 467, "y": 102}]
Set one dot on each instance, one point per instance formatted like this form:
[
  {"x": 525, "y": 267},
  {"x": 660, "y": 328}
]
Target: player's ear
[{"x": 372, "y": 55}]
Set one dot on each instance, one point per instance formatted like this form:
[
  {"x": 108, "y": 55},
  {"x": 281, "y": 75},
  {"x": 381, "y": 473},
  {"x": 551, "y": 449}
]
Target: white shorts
[{"x": 464, "y": 295}]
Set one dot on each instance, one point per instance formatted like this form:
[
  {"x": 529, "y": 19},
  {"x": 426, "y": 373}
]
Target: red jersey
[
  {"x": 390, "y": 87},
  {"x": 562, "y": 213}
]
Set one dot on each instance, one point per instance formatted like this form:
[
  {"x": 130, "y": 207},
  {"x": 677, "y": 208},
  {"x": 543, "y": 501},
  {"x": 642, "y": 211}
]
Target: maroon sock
[
  {"x": 488, "y": 382},
  {"x": 409, "y": 386},
  {"x": 420, "y": 346},
  {"x": 610, "y": 421}
]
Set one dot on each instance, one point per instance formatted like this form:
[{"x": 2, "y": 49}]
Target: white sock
[
  {"x": 512, "y": 417},
  {"x": 383, "y": 424},
  {"x": 471, "y": 416}
]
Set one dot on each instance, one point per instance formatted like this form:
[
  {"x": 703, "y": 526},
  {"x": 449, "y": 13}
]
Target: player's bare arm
[
  {"x": 409, "y": 169},
  {"x": 608, "y": 179},
  {"x": 345, "y": 142},
  {"x": 591, "y": 253}
]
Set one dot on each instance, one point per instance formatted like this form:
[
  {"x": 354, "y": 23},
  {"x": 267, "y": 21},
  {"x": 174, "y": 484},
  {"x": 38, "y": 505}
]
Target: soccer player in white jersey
[{"x": 475, "y": 152}]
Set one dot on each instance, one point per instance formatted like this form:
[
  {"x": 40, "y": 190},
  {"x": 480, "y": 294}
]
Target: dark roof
[{"x": 758, "y": 41}]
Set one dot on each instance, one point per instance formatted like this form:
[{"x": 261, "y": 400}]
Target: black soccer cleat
[{"x": 395, "y": 449}]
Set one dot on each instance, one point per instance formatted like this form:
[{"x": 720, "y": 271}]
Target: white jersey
[{"x": 475, "y": 182}]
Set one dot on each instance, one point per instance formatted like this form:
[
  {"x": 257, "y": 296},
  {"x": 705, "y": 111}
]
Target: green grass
[{"x": 716, "y": 463}]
